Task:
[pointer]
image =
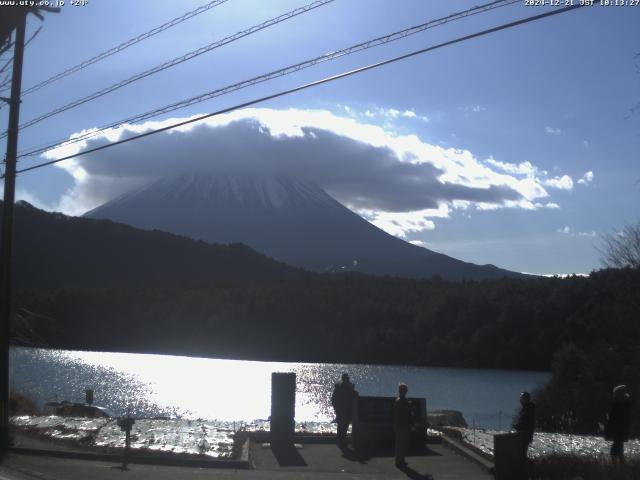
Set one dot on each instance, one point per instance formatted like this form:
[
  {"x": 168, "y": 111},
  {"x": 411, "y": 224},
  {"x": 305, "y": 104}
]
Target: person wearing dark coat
[
  {"x": 617, "y": 428},
  {"x": 402, "y": 420},
  {"x": 526, "y": 422},
  {"x": 342, "y": 401}
]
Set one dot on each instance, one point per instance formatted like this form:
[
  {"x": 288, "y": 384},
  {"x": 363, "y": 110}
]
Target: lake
[{"x": 240, "y": 391}]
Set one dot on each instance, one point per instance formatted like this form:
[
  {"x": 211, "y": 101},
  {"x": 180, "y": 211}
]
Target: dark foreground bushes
[
  {"x": 570, "y": 467},
  {"x": 578, "y": 397},
  {"x": 20, "y": 404}
]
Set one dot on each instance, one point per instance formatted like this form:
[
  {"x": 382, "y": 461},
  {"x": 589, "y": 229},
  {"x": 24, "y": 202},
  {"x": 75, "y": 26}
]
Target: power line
[
  {"x": 33, "y": 35},
  {"x": 6, "y": 65},
  {"x": 179, "y": 60},
  {"x": 6, "y": 47},
  {"x": 309, "y": 85},
  {"x": 124, "y": 45},
  {"x": 6, "y": 80},
  {"x": 280, "y": 72}
]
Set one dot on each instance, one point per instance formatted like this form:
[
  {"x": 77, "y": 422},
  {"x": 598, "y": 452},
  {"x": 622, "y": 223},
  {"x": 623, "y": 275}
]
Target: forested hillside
[
  {"x": 513, "y": 324},
  {"x": 52, "y": 250}
]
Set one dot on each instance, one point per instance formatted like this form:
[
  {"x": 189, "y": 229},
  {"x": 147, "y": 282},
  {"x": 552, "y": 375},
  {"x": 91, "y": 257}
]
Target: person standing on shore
[
  {"x": 342, "y": 401},
  {"x": 618, "y": 426},
  {"x": 526, "y": 422},
  {"x": 402, "y": 424}
]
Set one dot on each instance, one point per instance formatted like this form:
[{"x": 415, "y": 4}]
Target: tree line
[{"x": 586, "y": 329}]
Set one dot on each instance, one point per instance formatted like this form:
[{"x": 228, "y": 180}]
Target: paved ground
[
  {"x": 437, "y": 462},
  {"x": 311, "y": 461}
]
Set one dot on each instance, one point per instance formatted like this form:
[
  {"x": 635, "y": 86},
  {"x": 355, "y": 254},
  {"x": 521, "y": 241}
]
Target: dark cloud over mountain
[{"x": 363, "y": 166}]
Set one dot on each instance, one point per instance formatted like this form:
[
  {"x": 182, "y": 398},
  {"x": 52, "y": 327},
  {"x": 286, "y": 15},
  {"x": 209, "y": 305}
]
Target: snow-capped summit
[
  {"x": 248, "y": 191},
  {"x": 288, "y": 219}
]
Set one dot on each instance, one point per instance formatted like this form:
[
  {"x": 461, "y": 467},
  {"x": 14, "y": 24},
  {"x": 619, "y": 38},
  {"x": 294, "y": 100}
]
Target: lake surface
[{"x": 240, "y": 391}]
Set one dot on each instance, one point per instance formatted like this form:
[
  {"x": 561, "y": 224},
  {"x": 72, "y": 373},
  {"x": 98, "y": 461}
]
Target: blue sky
[{"x": 538, "y": 115}]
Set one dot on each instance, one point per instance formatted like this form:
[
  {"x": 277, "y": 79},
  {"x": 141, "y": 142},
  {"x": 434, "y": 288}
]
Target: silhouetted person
[
  {"x": 402, "y": 424},
  {"x": 342, "y": 401},
  {"x": 526, "y": 422},
  {"x": 618, "y": 426}
]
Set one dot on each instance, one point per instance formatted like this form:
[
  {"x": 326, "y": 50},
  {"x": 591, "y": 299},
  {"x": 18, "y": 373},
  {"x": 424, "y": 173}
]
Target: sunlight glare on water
[
  {"x": 211, "y": 388},
  {"x": 237, "y": 390}
]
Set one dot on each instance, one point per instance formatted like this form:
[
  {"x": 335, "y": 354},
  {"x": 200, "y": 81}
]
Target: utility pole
[{"x": 7, "y": 229}]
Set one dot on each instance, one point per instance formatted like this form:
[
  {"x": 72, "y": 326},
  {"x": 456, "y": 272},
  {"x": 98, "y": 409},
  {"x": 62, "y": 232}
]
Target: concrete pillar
[
  {"x": 283, "y": 407},
  {"x": 507, "y": 456}
]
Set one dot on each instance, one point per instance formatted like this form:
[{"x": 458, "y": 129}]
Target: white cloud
[
  {"x": 553, "y": 131},
  {"x": 585, "y": 143},
  {"x": 551, "y": 205},
  {"x": 392, "y": 114},
  {"x": 524, "y": 168},
  {"x": 527, "y": 169},
  {"x": 32, "y": 199},
  {"x": 567, "y": 230},
  {"x": 471, "y": 109},
  {"x": 561, "y": 183},
  {"x": 586, "y": 178},
  {"x": 397, "y": 182},
  {"x": 25, "y": 196},
  {"x": 402, "y": 223},
  {"x": 562, "y": 275},
  {"x": 418, "y": 243}
]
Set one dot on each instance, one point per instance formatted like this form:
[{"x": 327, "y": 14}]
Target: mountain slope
[
  {"x": 290, "y": 220},
  {"x": 52, "y": 250}
]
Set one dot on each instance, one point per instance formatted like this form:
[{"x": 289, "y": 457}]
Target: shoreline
[
  {"x": 251, "y": 450},
  {"x": 545, "y": 444},
  {"x": 32, "y": 442},
  {"x": 224, "y": 355},
  {"x": 201, "y": 439}
]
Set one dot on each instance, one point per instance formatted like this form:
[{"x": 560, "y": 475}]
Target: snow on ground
[
  {"x": 211, "y": 438},
  {"x": 215, "y": 438},
  {"x": 552, "y": 443}
]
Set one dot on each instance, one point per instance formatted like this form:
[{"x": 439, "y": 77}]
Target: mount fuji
[{"x": 291, "y": 220}]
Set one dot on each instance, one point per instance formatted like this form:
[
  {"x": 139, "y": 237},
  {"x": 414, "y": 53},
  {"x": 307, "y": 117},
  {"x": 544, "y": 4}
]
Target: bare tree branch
[{"x": 622, "y": 249}]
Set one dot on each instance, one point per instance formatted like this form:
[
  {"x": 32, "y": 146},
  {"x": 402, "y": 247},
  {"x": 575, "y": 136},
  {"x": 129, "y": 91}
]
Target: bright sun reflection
[{"x": 237, "y": 390}]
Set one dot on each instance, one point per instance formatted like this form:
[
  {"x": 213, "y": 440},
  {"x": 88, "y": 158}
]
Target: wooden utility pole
[{"x": 7, "y": 229}]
